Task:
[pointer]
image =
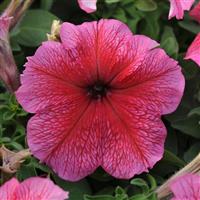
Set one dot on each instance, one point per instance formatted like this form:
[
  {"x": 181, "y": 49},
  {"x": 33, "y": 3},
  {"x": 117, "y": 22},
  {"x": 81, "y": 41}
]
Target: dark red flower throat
[{"x": 98, "y": 90}]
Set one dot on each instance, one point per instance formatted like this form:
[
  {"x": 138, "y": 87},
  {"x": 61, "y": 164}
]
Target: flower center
[{"x": 97, "y": 90}]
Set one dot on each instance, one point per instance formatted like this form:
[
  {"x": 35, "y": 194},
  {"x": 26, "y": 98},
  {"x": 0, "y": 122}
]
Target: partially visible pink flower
[
  {"x": 195, "y": 13},
  {"x": 186, "y": 187},
  {"x": 193, "y": 51},
  {"x": 98, "y": 95},
  {"x": 34, "y": 188},
  {"x": 177, "y": 8},
  {"x": 7, "y": 191},
  {"x": 88, "y": 6},
  {"x": 8, "y": 69}
]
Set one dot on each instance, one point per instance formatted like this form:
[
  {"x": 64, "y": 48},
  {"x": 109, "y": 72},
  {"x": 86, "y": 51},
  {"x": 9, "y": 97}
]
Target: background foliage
[{"x": 149, "y": 17}]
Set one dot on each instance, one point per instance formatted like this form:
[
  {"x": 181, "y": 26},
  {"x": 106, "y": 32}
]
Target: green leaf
[
  {"x": 190, "y": 26},
  {"x": 20, "y": 58},
  {"x": 136, "y": 16},
  {"x": 190, "y": 68},
  {"x": 169, "y": 42},
  {"x": 35, "y": 163},
  {"x": 8, "y": 115},
  {"x": 171, "y": 142},
  {"x": 16, "y": 145},
  {"x": 34, "y": 27},
  {"x": 153, "y": 197},
  {"x": 1, "y": 130},
  {"x": 46, "y": 4},
  {"x": 146, "y": 5},
  {"x": 173, "y": 159},
  {"x": 120, "y": 14},
  {"x": 140, "y": 183},
  {"x": 188, "y": 125},
  {"x": 195, "y": 111},
  {"x": 112, "y": 1},
  {"x": 138, "y": 197},
  {"x": 14, "y": 45},
  {"x": 192, "y": 152},
  {"x": 19, "y": 130},
  {"x": 152, "y": 181},
  {"x": 76, "y": 189},
  {"x": 120, "y": 194},
  {"x": 132, "y": 23},
  {"x": 99, "y": 197},
  {"x": 119, "y": 190},
  {"x": 150, "y": 24},
  {"x": 5, "y": 139},
  {"x": 26, "y": 171}
]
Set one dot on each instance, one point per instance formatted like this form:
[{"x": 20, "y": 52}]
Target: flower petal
[
  {"x": 36, "y": 188},
  {"x": 135, "y": 137},
  {"x": 177, "y": 8},
  {"x": 7, "y": 190},
  {"x": 157, "y": 78},
  {"x": 193, "y": 51},
  {"x": 44, "y": 81},
  {"x": 95, "y": 42},
  {"x": 104, "y": 47},
  {"x": 195, "y": 13},
  {"x": 113, "y": 47},
  {"x": 81, "y": 42},
  {"x": 67, "y": 138},
  {"x": 117, "y": 48},
  {"x": 186, "y": 187},
  {"x": 88, "y": 6}
]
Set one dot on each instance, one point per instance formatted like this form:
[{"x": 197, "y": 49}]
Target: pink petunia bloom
[
  {"x": 195, "y": 13},
  {"x": 193, "y": 51},
  {"x": 88, "y": 6},
  {"x": 186, "y": 187},
  {"x": 34, "y": 188},
  {"x": 177, "y": 8},
  {"x": 98, "y": 96}
]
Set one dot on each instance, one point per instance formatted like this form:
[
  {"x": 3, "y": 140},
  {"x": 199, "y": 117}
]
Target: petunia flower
[
  {"x": 88, "y": 6},
  {"x": 195, "y": 13},
  {"x": 177, "y": 8},
  {"x": 8, "y": 69},
  {"x": 34, "y": 188},
  {"x": 193, "y": 51},
  {"x": 98, "y": 95},
  {"x": 186, "y": 187}
]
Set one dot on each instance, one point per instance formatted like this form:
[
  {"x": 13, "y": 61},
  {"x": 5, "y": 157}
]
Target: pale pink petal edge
[
  {"x": 35, "y": 184},
  {"x": 88, "y": 6}
]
